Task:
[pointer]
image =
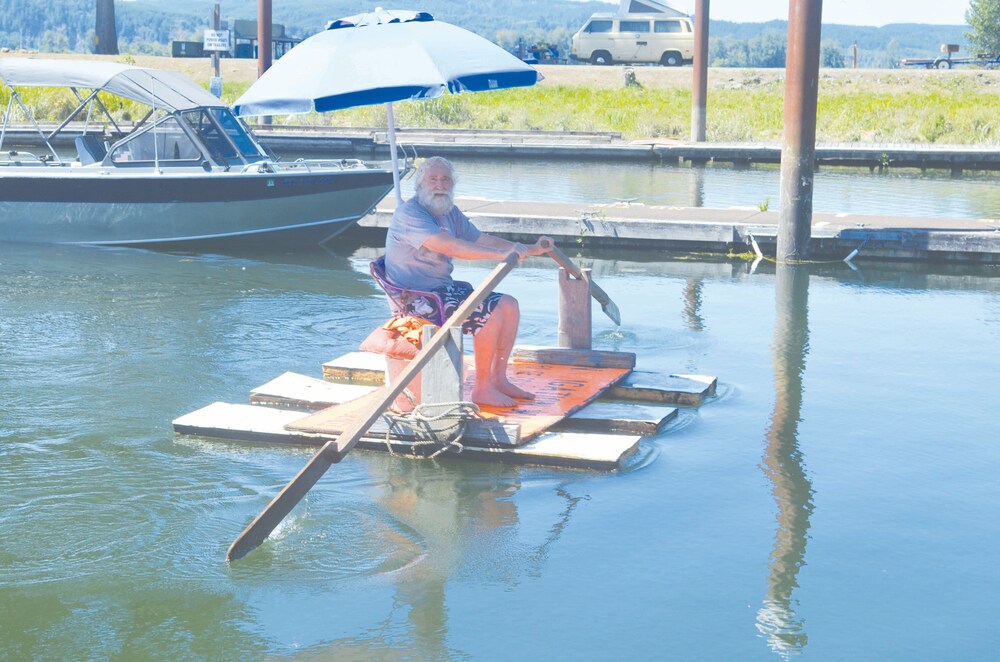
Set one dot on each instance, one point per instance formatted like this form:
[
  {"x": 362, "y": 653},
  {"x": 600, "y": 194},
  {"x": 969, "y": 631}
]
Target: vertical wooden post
[
  {"x": 215, "y": 26},
  {"x": 575, "y": 319},
  {"x": 263, "y": 43},
  {"x": 263, "y": 36},
  {"x": 699, "y": 89},
  {"x": 798, "y": 152},
  {"x": 441, "y": 378}
]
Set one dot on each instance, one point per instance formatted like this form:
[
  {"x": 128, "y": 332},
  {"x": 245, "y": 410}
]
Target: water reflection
[
  {"x": 900, "y": 192},
  {"x": 448, "y": 523},
  {"x": 696, "y": 187},
  {"x": 692, "y": 305},
  {"x": 782, "y": 462}
]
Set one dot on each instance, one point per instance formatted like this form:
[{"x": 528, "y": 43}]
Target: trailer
[{"x": 948, "y": 61}]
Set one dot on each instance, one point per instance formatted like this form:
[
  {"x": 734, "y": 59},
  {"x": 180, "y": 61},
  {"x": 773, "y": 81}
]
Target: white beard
[{"x": 438, "y": 203}]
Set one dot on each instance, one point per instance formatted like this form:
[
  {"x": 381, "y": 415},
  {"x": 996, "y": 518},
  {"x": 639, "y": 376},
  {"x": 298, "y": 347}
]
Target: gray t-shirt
[{"x": 407, "y": 262}]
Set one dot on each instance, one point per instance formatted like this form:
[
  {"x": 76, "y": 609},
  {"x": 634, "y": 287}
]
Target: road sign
[{"x": 216, "y": 40}]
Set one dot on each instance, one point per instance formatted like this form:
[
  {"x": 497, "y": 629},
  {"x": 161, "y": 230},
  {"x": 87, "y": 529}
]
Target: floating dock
[
  {"x": 596, "y": 431},
  {"x": 372, "y": 142},
  {"x": 697, "y": 229}
]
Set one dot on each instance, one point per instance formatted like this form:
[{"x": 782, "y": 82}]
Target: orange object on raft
[{"x": 560, "y": 390}]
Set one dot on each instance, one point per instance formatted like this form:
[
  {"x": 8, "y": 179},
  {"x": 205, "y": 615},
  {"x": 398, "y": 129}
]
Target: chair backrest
[
  {"x": 90, "y": 149},
  {"x": 403, "y": 301}
]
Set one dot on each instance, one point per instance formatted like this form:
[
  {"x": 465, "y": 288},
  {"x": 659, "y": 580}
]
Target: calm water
[
  {"x": 973, "y": 195},
  {"x": 838, "y": 499}
]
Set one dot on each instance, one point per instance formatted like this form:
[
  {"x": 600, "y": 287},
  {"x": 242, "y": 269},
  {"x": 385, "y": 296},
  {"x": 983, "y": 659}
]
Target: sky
[{"x": 849, "y": 12}]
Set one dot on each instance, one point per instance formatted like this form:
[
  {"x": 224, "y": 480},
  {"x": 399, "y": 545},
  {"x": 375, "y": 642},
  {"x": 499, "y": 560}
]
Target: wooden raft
[
  {"x": 593, "y": 435},
  {"x": 560, "y": 390}
]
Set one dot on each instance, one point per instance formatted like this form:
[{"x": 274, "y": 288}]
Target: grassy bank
[{"x": 918, "y": 106}]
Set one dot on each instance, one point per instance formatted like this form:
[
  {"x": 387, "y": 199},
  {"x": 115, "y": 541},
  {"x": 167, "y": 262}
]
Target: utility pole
[
  {"x": 215, "y": 26},
  {"x": 699, "y": 88},
  {"x": 263, "y": 36},
  {"x": 105, "y": 32},
  {"x": 263, "y": 43},
  {"x": 798, "y": 151}
]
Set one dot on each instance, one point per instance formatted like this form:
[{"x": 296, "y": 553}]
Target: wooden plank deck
[
  {"x": 266, "y": 424},
  {"x": 598, "y": 434},
  {"x": 300, "y": 392},
  {"x": 560, "y": 390},
  {"x": 643, "y": 386}
]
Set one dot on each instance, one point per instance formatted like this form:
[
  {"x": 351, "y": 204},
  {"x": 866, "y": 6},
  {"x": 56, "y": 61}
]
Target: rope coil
[{"x": 444, "y": 429}]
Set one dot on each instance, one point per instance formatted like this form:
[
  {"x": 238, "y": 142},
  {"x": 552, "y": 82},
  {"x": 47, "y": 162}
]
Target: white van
[{"x": 636, "y": 38}]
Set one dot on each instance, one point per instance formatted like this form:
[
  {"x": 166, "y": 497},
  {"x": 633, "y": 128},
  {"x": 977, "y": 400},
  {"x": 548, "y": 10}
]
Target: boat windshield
[
  {"x": 165, "y": 142},
  {"x": 236, "y": 132},
  {"x": 222, "y": 134}
]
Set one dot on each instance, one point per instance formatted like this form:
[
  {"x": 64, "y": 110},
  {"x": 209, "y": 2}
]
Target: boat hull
[{"x": 194, "y": 207}]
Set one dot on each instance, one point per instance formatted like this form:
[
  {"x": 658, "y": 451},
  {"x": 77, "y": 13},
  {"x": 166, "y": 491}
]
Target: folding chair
[{"x": 403, "y": 301}]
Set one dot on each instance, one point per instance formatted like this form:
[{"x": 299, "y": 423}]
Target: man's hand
[{"x": 542, "y": 246}]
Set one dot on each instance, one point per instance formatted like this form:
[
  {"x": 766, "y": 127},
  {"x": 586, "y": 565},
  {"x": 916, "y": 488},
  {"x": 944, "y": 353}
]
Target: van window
[
  {"x": 634, "y": 26},
  {"x": 668, "y": 26},
  {"x": 598, "y": 26}
]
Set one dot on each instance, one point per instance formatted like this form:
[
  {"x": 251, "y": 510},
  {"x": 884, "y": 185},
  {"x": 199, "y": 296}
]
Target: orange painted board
[{"x": 560, "y": 390}]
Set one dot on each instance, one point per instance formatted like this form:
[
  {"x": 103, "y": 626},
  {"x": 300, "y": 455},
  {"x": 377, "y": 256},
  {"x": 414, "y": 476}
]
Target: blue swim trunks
[{"x": 453, "y": 296}]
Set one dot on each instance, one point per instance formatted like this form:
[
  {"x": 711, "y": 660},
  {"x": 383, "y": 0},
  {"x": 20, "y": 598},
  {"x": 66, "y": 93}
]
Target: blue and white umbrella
[{"x": 382, "y": 57}]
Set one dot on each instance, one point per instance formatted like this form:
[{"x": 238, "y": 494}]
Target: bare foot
[
  {"x": 491, "y": 397},
  {"x": 507, "y": 388}
]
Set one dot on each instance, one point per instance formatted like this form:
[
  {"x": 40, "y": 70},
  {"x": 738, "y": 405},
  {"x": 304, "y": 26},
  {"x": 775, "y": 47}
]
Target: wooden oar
[
  {"x": 607, "y": 305},
  {"x": 335, "y": 449}
]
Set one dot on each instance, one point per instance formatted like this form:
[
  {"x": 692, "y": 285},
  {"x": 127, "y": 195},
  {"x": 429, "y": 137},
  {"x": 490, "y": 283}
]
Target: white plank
[
  {"x": 356, "y": 368},
  {"x": 266, "y": 424},
  {"x": 580, "y": 448},
  {"x": 243, "y": 423},
  {"x": 612, "y": 416},
  {"x": 688, "y": 390},
  {"x": 294, "y": 391}
]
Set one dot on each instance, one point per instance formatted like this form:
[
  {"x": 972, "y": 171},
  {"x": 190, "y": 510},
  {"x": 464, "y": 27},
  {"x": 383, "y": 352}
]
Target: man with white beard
[{"x": 426, "y": 233}]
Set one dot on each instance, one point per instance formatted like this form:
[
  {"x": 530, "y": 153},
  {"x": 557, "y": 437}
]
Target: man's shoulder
[{"x": 411, "y": 209}]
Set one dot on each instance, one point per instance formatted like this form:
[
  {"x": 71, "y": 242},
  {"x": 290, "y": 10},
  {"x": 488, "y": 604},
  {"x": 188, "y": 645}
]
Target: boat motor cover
[{"x": 162, "y": 89}]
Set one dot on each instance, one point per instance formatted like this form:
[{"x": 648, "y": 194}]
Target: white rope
[{"x": 444, "y": 429}]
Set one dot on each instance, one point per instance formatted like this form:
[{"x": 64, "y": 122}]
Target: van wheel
[
  {"x": 671, "y": 59},
  {"x": 600, "y": 57}
]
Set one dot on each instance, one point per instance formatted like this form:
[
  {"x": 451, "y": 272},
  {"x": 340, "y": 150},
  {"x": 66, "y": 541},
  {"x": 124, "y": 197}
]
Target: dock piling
[{"x": 575, "y": 314}]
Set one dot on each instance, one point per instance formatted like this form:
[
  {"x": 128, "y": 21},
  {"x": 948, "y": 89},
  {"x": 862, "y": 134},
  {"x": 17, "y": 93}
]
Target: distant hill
[
  {"x": 148, "y": 28},
  {"x": 877, "y": 46}
]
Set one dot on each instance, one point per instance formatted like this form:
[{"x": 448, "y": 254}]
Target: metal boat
[{"x": 187, "y": 173}]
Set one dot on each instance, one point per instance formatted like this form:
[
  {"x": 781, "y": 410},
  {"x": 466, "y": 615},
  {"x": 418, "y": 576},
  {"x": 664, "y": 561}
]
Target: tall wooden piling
[
  {"x": 263, "y": 36},
  {"x": 798, "y": 152},
  {"x": 699, "y": 87}
]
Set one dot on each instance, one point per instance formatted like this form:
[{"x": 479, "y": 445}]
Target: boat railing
[
  {"x": 19, "y": 158},
  {"x": 309, "y": 165}
]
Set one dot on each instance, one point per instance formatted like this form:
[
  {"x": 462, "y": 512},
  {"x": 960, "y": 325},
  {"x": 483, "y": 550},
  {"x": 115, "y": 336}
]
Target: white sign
[{"x": 216, "y": 40}]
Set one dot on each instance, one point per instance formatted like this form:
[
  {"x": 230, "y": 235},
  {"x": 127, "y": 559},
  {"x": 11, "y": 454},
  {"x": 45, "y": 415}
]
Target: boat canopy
[{"x": 168, "y": 90}]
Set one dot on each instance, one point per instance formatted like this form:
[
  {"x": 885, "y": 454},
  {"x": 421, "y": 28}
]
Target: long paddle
[
  {"x": 607, "y": 305},
  {"x": 335, "y": 449}
]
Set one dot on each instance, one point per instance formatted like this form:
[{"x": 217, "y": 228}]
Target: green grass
[{"x": 941, "y": 110}]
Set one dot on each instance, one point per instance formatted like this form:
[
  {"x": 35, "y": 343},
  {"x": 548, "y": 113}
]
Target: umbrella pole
[{"x": 395, "y": 157}]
